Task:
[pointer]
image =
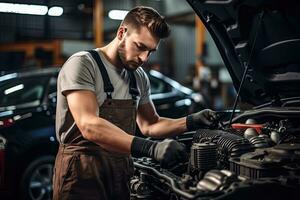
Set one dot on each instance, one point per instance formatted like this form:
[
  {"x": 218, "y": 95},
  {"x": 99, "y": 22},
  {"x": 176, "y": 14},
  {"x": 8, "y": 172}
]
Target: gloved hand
[
  {"x": 168, "y": 152},
  {"x": 204, "y": 119}
]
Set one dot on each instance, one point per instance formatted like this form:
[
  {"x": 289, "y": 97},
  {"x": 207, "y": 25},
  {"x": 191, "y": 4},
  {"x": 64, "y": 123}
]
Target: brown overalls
[{"x": 84, "y": 170}]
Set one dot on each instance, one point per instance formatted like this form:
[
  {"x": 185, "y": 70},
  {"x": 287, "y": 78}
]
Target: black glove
[
  {"x": 168, "y": 152},
  {"x": 204, "y": 119}
]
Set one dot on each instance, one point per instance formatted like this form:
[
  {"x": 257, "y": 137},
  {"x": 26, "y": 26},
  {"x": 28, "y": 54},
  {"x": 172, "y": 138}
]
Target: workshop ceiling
[{"x": 76, "y": 21}]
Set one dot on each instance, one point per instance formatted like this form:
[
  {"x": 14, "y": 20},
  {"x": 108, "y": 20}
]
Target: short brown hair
[{"x": 147, "y": 16}]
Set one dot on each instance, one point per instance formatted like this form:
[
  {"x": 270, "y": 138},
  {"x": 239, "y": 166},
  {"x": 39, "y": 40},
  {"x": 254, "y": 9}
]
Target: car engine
[{"x": 255, "y": 156}]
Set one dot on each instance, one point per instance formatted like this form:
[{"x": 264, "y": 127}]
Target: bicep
[
  {"x": 82, "y": 104},
  {"x": 146, "y": 116}
]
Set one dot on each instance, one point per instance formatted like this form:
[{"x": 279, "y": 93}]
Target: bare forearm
[
  {"x": 166, "y": 127},
  {"x": 107, "y": 135}
]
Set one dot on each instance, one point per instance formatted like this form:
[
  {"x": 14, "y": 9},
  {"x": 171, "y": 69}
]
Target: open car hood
[{"x": 263, "y": 33}]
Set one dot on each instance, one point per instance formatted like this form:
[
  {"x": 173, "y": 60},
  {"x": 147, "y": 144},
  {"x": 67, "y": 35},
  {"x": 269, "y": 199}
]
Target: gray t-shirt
[{"x": 81, "y": 72}]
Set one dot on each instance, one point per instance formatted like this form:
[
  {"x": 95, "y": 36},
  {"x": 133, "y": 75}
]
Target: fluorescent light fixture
[
  {"x": 13, "y": 89},
  {"x": 117, "y": 14},
  {"x": 55, "y": 11},
  {"x": 23, "y": 8}
]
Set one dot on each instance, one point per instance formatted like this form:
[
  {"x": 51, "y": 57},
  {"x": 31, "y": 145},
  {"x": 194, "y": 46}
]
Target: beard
[{"x": 129, "y": 65}]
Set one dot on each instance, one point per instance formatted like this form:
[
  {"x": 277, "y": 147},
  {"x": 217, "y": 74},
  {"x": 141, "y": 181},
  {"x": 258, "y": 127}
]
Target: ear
[{"x": 121, "y": 32}]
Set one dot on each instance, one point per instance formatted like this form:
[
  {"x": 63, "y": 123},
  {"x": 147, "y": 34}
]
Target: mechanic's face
[{"x": 135, "y": 46}]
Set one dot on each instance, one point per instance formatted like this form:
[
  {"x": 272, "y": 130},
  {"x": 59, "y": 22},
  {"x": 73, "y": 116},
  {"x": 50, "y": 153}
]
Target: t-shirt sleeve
[
  {"x": 145, "y": 90},
  {"x": 77, "y": 74}
]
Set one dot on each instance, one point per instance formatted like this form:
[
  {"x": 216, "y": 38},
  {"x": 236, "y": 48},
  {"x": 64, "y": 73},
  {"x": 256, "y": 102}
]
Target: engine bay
[
  {"x": 252, "y": 154},
  {"x": 256, "y": 156}
]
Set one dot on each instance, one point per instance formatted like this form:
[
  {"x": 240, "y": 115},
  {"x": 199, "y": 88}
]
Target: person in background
[{"x": 101, "y": 94}]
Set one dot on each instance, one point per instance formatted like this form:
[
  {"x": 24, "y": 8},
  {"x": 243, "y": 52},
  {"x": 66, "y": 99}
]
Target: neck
[{"x": 110, "y": 52}]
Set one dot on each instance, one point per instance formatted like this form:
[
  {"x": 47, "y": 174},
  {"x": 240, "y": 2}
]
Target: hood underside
[{"x": 265, "y": 35}]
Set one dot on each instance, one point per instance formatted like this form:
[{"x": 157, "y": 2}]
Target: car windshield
[{"x": 22, "y": 91}]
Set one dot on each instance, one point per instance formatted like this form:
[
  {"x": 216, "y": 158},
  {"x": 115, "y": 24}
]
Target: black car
[
  {"x": 254, "y": 151},
  {"x": 27, "y": 130}
]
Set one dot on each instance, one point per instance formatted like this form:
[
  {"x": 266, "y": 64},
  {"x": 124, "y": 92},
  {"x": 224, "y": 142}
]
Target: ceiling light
[
  {"x": 55, "y": 11},
  {"x": 117, "y": 14},
  {"x": 23, "y": 8}
]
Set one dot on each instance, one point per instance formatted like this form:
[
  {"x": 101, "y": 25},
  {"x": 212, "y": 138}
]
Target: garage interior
[
  {"x": 36, "y": 35},
  {"x": 28, "y": 40},
  {"x": 239, "y": 62}
]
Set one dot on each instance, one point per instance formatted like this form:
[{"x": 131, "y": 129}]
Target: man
[{"x": 101, "y": 96}]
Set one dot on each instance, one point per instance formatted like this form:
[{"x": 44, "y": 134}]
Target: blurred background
[
  {"x": 186, "y": 74},
  {"x": 37, "y": 37},
  {"x": 45, "y": 33}
]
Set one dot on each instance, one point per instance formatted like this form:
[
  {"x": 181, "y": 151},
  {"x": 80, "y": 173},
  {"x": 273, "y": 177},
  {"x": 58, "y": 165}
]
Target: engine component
[
  {"x": 268, "y": 162},
  {"x": 203, "y": 156},
  {"x": 139, "y": 188},
  {"x": 216, "y": 180},
  {"x": 275, "y": 136},
  {"x": 242, "y": 127},
  {"x": 249, "y": 133},
  {"x": 250, "y": 121},
  {"x": 229, "y": 145},
  {"x": 261, "y": 141}
]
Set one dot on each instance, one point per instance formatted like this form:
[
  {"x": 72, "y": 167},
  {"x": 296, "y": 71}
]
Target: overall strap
[
  {"x": 132, "y": 85},
  {"x": 108, "y": 87}
]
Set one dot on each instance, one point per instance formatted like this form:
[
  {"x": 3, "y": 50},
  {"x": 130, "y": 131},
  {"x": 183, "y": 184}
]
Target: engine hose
[{"x": 265, "y": 112}]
